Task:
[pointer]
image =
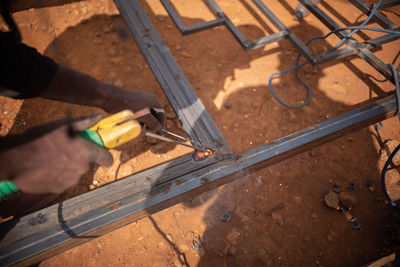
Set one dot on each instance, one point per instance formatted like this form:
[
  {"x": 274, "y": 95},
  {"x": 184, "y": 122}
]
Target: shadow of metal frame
[{"x": 112, "y": 206}]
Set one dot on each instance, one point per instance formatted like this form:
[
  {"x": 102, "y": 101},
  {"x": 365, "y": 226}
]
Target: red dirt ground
[{"x": 278, "y": 214}]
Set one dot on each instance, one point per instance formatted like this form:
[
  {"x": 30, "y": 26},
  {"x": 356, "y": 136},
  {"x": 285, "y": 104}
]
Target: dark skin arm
[
  {"x": 51, "y": 158},
  {"x": 75, "y": 87}
]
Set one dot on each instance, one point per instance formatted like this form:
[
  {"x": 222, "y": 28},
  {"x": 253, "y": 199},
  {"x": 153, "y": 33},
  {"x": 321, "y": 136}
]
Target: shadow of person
[
  {"x": 278, "y": 217},
  {"x": 273, "y": 209}
]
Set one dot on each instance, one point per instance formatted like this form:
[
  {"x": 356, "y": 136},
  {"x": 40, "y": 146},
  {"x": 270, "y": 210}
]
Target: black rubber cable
[{"x": 384, "y": 174}]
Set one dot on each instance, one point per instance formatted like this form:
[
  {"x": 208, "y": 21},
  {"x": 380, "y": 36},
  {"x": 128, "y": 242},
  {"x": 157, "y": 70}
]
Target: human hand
[
  {"x": 51, "y": 158},
  {"x": 145, "y": 105}
]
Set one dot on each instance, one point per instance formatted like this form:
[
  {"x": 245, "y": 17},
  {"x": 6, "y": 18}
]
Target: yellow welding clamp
[{"x": 114, "y": 130}]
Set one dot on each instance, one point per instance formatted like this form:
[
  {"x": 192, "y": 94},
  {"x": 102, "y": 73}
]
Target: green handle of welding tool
[
  {"x": 92, "y": 136},
  {"x": 7, "y": 187}
]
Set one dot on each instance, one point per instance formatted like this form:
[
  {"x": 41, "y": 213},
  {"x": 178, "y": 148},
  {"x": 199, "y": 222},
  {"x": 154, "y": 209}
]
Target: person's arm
[
  {"x": 55, "y": 160},
  {"x": 71, "y": 86},
  {"x": 26, "y": 72}
]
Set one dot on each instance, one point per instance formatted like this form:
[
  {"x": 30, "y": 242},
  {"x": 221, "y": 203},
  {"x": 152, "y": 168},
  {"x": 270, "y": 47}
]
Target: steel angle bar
[
  {"x": 65, "y": 229},
  {"x": 377, "y": 17},
  {"x": 69, "y": 222},
  {"x": 360, "y": 50},
  {"x": 185, "y": 30},
  {"x": 222, "y": 19},
  {"x": 388, "y": 3},
  {"x": 372, "y": 44},
  {"x": 190, "y": 110},
  {"x": 291, "y": 36},
  {"x": 263, "y": 41}
]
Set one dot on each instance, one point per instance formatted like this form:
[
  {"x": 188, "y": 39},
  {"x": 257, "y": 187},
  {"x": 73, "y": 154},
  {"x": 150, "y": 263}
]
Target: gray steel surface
[{"x": 92, "y": 214}]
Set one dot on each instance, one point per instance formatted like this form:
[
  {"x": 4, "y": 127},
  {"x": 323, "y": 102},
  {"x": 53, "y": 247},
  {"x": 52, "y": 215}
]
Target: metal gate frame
[{"x": 44, "y": 233}]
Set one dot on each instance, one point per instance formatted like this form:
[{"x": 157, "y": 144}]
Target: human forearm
[
  {"x": 75, "y": 87},
  {"x": 78, "y": 88}
]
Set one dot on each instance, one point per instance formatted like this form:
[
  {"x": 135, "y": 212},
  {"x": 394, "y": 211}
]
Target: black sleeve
[{"x": 24, "y": 72}]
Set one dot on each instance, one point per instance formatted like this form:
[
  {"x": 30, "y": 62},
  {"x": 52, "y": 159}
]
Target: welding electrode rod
[
  {"x": 169, "y": 140},
  {"x": 181, "y": 137}
]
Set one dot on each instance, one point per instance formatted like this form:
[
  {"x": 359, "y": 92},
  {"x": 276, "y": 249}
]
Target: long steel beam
[
  {"x": 389, "y": 3},
  {"x": 92, "y": 214},
  {"x": 195, "y": 119}
]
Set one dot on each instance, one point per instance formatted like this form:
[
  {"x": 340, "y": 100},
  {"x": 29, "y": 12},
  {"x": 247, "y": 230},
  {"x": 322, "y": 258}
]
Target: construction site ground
[{"x": 278, "y": 216}]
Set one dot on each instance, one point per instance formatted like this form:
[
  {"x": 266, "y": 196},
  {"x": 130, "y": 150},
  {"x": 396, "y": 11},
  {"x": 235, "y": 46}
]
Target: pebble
[
  {"x": 228, "y": 104},
  {"x": 118, "y": 83},
  {"x": 331, "y": 200},
  {"x": 350, "y": 139},
  {"x": 235, "y": 125},
  {"x": 336, "y": 189},
  {"x": 219, "y": 66},
  {"x": 277, "y": 218},
  {"x": 169, "y": 26},
  {"x": 314, "y": 216},
  {"x": 95, "y": 182},
  {"x": 98, "y": 41},
  {"x": 256, "y": 105},
  {"x": 178, "y": 47},
  {"x": 312, "y": 153},
  {"x": 5, "y": 112}
]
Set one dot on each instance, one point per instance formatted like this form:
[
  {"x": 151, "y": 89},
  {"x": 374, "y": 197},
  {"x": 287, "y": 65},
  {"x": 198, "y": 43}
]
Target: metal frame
[{"x": 77, "y": 220}]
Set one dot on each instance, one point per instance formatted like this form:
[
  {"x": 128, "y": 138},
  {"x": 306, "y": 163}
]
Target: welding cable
[
  {"x": 383, "y": 177},
  {"x": 297, "y": 66},
  {"x": 356, "y": 30}
]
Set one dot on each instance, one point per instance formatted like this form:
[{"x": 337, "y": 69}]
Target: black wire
[{"x": 384, "y": 174}]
